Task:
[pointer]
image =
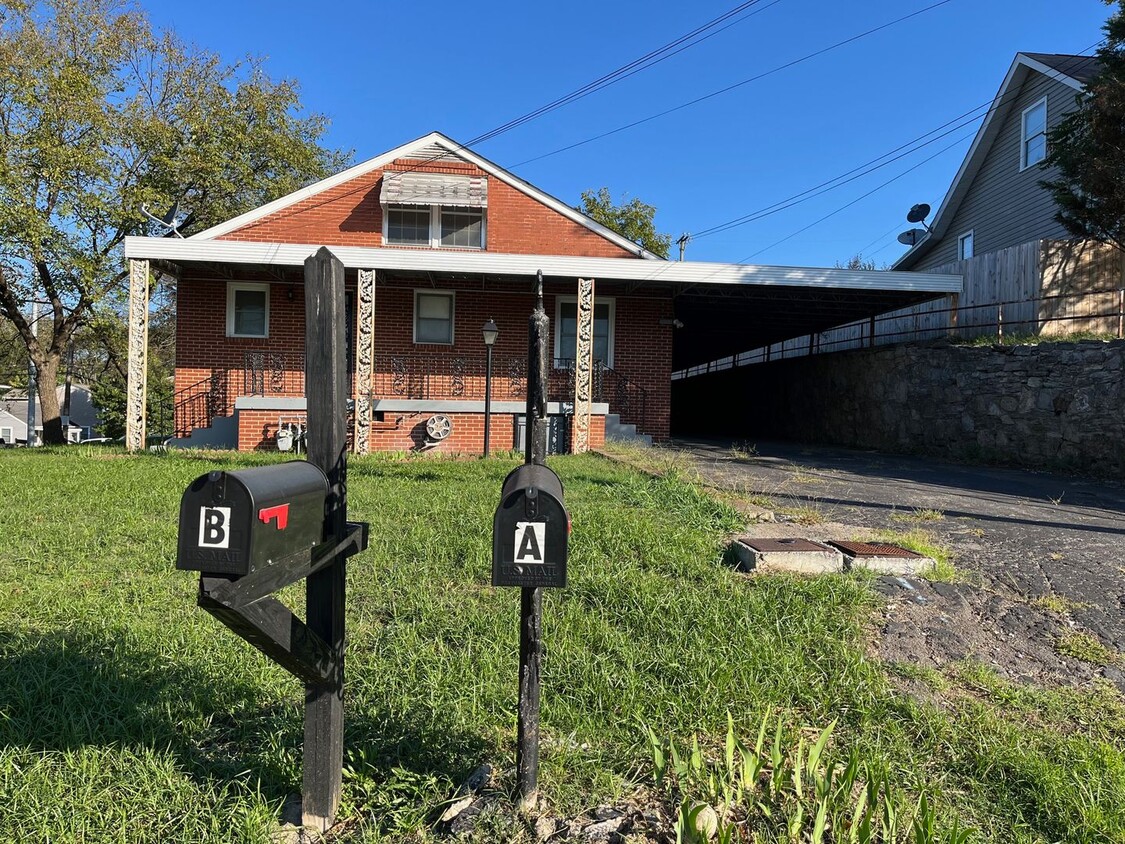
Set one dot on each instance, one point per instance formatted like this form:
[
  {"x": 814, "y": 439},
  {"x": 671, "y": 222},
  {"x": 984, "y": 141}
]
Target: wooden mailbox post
[{"x": 247, "y": 533}]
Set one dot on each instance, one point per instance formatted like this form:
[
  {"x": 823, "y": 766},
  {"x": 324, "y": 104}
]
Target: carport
[{"x": 717, "y": 309}]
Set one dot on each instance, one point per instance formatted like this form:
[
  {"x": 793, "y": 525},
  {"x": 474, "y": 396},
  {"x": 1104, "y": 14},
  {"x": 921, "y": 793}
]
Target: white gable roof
[
  {"x": 425, "y": 147},
  {"x": 1022, "y": 65}
]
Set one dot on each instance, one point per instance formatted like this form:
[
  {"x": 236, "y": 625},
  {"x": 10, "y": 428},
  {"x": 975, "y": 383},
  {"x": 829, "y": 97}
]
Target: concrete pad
[
  {"x": 788, "y": 554},
  {"x": 882, "y": 557}
]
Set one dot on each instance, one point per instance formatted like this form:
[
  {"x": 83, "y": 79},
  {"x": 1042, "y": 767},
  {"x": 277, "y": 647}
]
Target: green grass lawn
[{"x": 127, "y": 714}]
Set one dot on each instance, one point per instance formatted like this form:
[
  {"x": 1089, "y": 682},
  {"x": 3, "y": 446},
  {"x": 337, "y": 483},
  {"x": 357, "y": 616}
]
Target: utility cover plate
[
  {"x": 770, "y": 546},
  {"x": 873, "y": 549}
]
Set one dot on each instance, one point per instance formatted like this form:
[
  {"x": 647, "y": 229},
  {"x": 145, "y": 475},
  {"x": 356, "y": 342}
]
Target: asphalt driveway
[{"x": 1042, "y": 554}]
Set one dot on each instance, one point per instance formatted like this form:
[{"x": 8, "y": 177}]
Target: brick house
[{"x": 436, "y": 241}]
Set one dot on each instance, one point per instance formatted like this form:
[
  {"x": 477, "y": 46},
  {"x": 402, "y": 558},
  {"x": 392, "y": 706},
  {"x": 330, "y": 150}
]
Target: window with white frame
[
  {"x": 965, "y": 246},
  {"x": 1033, "y": 142},
  {"x": 434, "y": 225},
  {"x": 248, "y": 309},
  {"x": 566, "y": 329},
  {"x": 433, "y": 317},
  {"x": 6, "y": 435}
]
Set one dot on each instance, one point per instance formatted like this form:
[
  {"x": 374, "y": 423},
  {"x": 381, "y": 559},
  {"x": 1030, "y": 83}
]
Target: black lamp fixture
[{"x": 489, "y": 331}]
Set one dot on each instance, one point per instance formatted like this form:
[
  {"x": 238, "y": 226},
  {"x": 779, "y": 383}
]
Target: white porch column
[
  {"x": 136, "y": 389},
  {"x": 583, "y": 365},
  {"x": 364, "y": 360}
]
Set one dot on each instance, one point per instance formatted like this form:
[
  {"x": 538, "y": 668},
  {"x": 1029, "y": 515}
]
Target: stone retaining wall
[{"x": 1054, "y": 405}]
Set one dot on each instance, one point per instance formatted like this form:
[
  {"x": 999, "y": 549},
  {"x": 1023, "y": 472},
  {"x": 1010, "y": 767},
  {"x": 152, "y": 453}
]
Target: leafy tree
[
  {"x": 1088, "y": 148},
  {"x": 100, "y": 115},
  {"x": 632, "y": 218},
  {"x": 858, "y": 262}
]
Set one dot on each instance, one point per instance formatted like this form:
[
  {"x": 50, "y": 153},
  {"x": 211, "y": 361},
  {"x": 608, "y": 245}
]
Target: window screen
[{"x": 433, "y": 318}]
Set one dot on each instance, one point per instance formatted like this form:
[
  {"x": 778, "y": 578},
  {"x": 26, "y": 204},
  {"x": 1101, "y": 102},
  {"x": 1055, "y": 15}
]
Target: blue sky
[{"x": 385, "y": 73}]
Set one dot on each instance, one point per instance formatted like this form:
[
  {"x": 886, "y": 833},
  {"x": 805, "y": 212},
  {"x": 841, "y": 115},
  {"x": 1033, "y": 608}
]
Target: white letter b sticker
[{"x": 214, "y": 527}]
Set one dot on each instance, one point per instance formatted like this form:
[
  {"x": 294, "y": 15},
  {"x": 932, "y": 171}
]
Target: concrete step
[
  {"x": 617, "y": 431},
  {"x": 221, "y": 433}
]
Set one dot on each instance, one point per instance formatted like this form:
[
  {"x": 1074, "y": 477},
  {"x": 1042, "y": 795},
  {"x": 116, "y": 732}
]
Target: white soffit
[{"x": 553, "y": 266}]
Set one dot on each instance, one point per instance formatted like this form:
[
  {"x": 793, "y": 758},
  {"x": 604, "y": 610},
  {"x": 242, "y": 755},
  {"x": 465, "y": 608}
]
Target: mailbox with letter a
[
  {"x": 233, "y": 523},
  {"x": 530, "y": 530}
]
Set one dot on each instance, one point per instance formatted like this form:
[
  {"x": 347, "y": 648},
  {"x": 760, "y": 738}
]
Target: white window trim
[
  {"x": 8, "y": 435},
  {"x": 435, "y": 230},
  {"x": 452, "y": 317},
  {"x": 1023, "y": 133},
  {"x": 961, "y": 243},
  {"x": 598, "y": 300},
  {"x": 233, "y": 286}
]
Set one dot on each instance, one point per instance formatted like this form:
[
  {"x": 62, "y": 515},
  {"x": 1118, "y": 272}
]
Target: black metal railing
[
  {"x": 197, "y": 405},
  {"x": 458, "y": 377},
  {"x": 627, "y": 398},
  {"x": 273, "y": 374}
]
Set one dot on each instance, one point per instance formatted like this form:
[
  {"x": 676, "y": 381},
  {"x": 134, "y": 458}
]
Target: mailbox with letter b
[
  {"x": 530, "y": 530},
  {"x": 234, "y": 523}
]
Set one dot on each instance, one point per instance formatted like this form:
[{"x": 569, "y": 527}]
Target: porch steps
[
  {"x": 617, "y": 431},
  {"x": 222, "y": 433}
]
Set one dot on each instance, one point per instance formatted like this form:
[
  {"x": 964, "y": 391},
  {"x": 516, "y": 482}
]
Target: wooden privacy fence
[{"x": 1044, "y": 288}]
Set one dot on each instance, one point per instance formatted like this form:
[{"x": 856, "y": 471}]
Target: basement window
[
  {"x": 248, "y": 309},
  {"x": 1033, "y": 143}
]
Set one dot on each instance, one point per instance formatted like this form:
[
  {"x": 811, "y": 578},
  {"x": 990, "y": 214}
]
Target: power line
[
  {"x": 729, "y": 88},
  {"x": 859, "y": 198},
  {"x": 872, "y": 165},
  {"x": 678, "y": 45}
]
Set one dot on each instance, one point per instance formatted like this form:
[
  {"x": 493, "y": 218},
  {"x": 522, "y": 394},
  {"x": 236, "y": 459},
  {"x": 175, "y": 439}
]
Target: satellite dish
[
  {"x": 168, "y": 222},
  {"x": 911, "y": 236},
  {"x": 918, "y": 213}
]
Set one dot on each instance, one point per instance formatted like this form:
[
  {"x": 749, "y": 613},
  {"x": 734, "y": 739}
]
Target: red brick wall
[
  {"x": 642, "y": 347},
  {"x": 257, "y": 430},
  {"x": 350, "y": 215}
]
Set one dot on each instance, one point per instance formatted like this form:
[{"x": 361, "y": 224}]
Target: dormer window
[{"x": 434, "y": 210}]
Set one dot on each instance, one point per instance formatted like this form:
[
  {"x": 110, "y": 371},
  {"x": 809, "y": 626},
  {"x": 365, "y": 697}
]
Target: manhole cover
[
  {"x": 768, "y": 546},
  {"x": 872, "y": 549}
]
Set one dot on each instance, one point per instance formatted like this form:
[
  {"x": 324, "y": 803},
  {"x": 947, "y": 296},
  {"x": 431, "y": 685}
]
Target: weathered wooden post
[
  {"x": 530, "y": 533},
  {"x": 253, "y": 531},
  {"x": 531, "y": 598},
  {"x": 326, "y": 390}
]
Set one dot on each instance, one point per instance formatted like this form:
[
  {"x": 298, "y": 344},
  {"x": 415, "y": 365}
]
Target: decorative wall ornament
[
  {"x": 457, "y": 377},
  {"x": 364, "y": 360},
  {"x": 137, "y": 382},
  {"x": 583, "y": 365}
]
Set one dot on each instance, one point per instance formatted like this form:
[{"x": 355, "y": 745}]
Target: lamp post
[{"x": 489, "y": 331}]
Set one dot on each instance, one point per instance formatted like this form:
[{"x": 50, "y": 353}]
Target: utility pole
[{"x": 683, "y": 242}]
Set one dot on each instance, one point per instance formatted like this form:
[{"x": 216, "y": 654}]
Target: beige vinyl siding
[{"x": 1005, "y": 206}]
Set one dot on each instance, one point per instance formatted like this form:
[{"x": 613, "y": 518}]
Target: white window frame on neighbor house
[
  {"x": 970, "y": 238},
  {"x": 452, "y": 296},
  {"x": 7, "y": 434},
  {"x": 434, "y": 241},
  {"x": 568, "y": 354},
  {"x": 1026, "y": 139},
  {"x": 233, "y": 287}
]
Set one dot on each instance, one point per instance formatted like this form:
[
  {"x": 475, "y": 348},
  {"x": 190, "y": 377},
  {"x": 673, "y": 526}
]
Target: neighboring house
[
  {"x": 996, "y": 227},
  {"x": 436, "y": 241},
  {"x": 996, "y": 201},
  {"x": 13, "y": 415}
]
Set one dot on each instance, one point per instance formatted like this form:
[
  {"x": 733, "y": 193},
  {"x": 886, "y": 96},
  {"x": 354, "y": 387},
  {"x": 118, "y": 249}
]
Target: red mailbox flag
[{"x": 280, "y": 513}]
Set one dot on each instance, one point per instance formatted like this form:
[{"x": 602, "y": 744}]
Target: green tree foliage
[
  {"x": 858, "y": 262},
  {"x": 101, "y": 114},
  {"x": 1088, "y": 148},
  {"x": 632, "y": 218}
]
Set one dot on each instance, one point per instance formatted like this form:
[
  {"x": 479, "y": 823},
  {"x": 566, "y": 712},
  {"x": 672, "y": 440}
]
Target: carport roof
[{"x": 724, "y": 308}]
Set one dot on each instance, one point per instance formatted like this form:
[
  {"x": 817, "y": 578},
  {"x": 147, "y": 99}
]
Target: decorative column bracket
[
  {"x": 364, "y": 361},
  {"x": 137, "y": 381},
  {"x": 583, "y": 365}
]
